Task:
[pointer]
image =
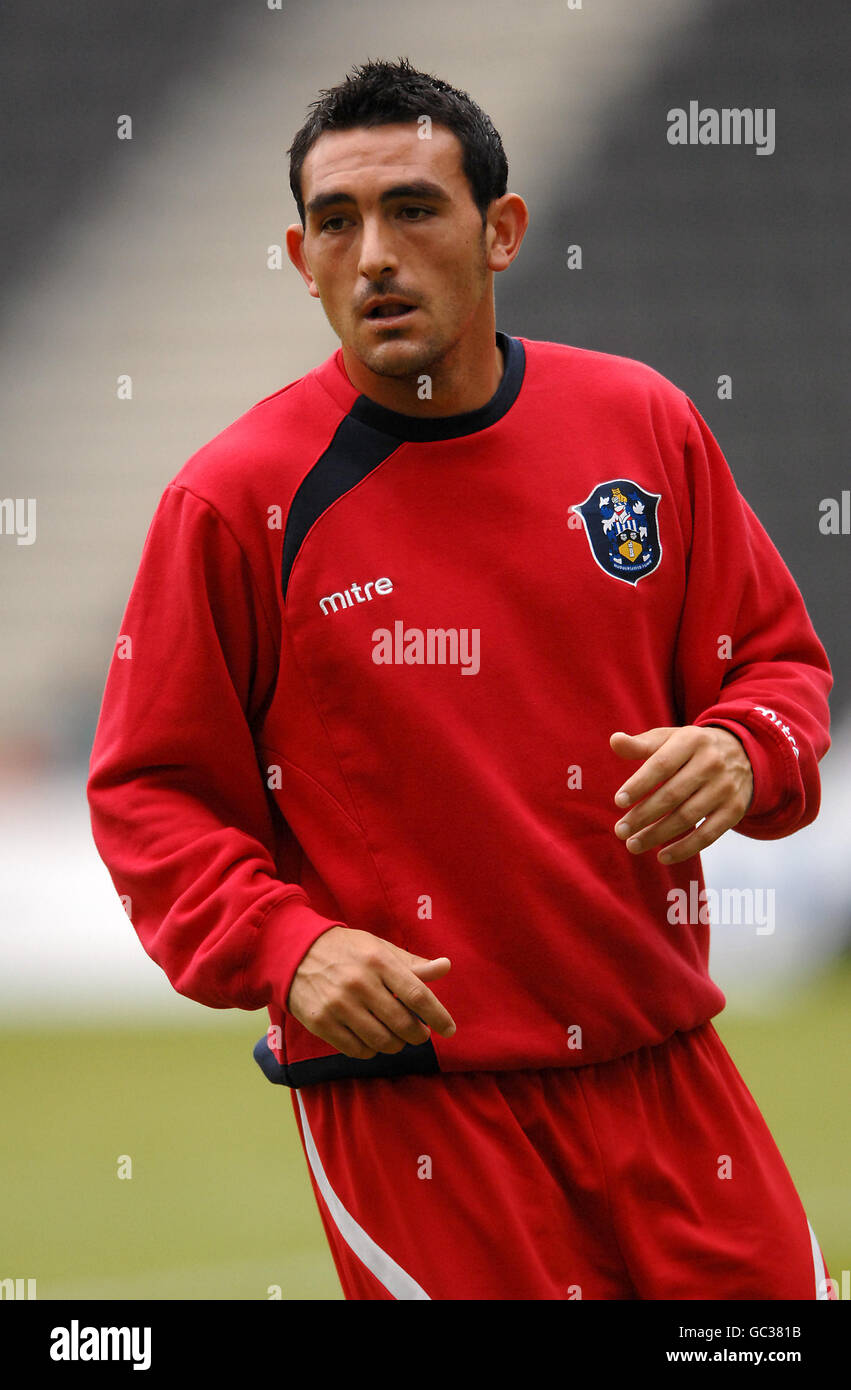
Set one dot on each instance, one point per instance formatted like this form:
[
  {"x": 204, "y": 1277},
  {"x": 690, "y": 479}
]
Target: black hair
[{"x": 382, "y": 93}]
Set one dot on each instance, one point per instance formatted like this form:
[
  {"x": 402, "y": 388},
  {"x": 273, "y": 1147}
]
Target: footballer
[{"x": 426, "y": 719}]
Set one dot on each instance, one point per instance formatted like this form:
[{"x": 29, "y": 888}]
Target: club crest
[{"x": 620, "y": 522}]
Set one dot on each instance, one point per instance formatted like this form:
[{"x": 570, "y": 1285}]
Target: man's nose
[{"x": 378, "y": 258}]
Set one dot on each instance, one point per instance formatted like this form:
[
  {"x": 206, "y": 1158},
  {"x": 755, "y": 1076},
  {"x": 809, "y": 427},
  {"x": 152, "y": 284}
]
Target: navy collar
[{"x": 420, "y": 429}]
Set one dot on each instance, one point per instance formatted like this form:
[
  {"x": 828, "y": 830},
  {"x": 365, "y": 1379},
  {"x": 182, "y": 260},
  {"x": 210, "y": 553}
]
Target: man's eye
[{"x": 428, "y": 212}]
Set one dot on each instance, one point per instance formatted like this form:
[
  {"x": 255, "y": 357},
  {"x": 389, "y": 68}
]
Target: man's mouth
[{"x": 390, "y": 311}]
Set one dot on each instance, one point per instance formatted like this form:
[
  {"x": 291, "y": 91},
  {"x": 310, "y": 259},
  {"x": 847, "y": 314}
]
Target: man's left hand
[{"x": 689, "y": 774}]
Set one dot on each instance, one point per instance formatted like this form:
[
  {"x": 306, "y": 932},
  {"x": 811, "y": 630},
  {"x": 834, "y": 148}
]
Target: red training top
[{"x": 367, "y": 676}]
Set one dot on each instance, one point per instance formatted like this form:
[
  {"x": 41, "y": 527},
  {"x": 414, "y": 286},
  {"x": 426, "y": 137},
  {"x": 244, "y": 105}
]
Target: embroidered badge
[{"x": 620, "y": 522}]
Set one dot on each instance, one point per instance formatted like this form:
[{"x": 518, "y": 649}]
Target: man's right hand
[{"x": 344, "y": 988}]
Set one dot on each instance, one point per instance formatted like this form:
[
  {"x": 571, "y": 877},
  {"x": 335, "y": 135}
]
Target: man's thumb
[
  {"x": 639, "y": 745},
  {"x": 425, "y": 969}
]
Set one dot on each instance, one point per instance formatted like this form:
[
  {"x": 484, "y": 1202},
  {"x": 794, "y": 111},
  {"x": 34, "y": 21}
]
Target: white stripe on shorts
[
  {"x": 395, "y": 1280},
  {"x": 822, "y": 1286}
]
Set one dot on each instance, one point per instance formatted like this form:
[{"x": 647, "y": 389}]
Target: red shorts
[{"x": 650, "y": 1177}]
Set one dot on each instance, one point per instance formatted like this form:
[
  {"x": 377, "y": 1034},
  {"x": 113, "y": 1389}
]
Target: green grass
[
  {"x": 796, "y": 1062},
  {"x": 220, "y": 1206}
]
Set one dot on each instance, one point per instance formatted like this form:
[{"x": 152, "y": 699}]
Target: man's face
[{"x": 374, "y": 239}]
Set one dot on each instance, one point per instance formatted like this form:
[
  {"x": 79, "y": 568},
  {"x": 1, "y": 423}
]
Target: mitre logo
[
  {"x": 356, "y": 593},
  {"x": 620, "y": 522}
]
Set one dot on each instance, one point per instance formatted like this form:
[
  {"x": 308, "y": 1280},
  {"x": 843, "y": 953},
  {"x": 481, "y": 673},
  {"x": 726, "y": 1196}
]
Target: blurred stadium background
[{"x": 149, "y": 257}]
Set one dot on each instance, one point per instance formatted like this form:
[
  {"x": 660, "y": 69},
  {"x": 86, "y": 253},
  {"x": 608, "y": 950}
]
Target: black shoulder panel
[
  {"x": 369, "y": 434},
  {"x": 354, "y": 451}
]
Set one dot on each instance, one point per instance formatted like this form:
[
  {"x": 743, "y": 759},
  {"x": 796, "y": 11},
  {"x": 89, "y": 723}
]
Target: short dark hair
[{"x": 383, "y": 93}]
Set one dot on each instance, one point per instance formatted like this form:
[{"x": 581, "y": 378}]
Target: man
[{"x": 446, "y": 661}]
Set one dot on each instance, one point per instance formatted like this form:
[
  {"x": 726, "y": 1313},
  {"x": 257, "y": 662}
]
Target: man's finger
[
  {"x": 683, "y": 819},
  {"x": 394, "y": 1015},
  {"x": 670, "y": 755},
  {"x": 700, "y": 838},
  {"x": 416, "y": 996},
  {"x": 379, "y": 1035},
  {"x": 663, "y": 802},
  {"x": 341, "y": 1037}
]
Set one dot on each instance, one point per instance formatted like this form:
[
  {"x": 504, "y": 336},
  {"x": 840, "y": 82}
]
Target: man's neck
[{"x": 465, "y": 392}]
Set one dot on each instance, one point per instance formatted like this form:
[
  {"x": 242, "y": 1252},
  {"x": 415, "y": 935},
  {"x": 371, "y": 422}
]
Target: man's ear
[
  {"x": 294, "y": 237},
  {"x": 508, "y": 219}
]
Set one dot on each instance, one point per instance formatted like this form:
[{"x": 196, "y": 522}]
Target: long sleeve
[
  {"x": 179, "y": 810},
  {"x": 747, "y": 656}
]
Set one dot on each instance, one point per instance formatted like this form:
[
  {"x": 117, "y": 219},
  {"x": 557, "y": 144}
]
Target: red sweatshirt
[{"x": 367, "y": 676}]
